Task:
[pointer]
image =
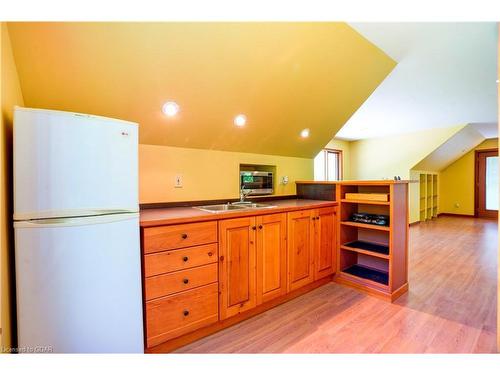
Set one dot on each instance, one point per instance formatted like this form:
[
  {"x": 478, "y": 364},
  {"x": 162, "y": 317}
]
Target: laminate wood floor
[{"x": 450, "y": 307}]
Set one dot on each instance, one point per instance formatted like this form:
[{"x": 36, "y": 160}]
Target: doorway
[{"x": 486, "y": 183}]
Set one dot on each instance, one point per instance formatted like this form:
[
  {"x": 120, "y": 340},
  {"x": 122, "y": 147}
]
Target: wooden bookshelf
[
  {"x": 374, "y": 258},
  {"x": 429, "y": 195}
]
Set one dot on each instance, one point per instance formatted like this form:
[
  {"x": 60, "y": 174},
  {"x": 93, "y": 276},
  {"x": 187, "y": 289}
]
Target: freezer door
[
  {"x": 79, "y": 285},
  {"x": 68, "y": 164}
]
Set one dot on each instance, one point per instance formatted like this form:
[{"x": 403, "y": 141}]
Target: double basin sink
[{"x": 233, "y": 207}]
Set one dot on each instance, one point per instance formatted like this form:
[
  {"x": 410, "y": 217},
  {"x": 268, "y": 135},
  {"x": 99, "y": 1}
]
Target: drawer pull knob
[
  {"x": 185, "y": 259},
  {"x": 210, "y": 254},
  {"x": 260, "y": 226},
  {"x": 184, "y": 236},
  {"x": 254, "y": 227},
  {"x": 185, "y": 312},
  {"x": 185, "y": 281}
]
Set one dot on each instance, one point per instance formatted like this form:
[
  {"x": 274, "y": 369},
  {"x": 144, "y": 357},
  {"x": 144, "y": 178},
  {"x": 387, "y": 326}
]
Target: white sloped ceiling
[{"x": 446, "y": 75}]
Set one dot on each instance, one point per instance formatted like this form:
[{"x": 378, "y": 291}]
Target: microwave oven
[{"x": 260, "y": 183}]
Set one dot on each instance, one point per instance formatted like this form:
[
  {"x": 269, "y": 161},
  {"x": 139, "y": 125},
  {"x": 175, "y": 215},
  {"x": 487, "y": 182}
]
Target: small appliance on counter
[
  {"x": 258, "y": 182},
  {"x": 382, "y": 220}
]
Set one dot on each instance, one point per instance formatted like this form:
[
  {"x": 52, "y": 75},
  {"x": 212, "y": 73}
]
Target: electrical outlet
[{"x": 178, "y": 181}]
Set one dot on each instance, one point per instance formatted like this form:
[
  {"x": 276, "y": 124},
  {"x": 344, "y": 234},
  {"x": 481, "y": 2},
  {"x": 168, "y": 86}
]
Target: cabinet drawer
[
  {"x": 166, "y": 284},
  {"x": 177, "y": 236},
  {"x": 181, "y": 313},
  {"x": 176, "y": 260}
]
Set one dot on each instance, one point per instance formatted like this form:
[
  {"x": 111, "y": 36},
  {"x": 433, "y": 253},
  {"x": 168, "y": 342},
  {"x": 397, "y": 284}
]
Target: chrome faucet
[{"x": 243, "y": 194}]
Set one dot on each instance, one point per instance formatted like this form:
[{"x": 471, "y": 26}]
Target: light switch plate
[{"x": 178, "y": 181}]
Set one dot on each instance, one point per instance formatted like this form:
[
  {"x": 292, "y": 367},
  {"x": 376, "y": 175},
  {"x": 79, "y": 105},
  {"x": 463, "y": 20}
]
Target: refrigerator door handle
[
  {"x": 75, "y": 221},
  {"x": 42, "y": 215}
]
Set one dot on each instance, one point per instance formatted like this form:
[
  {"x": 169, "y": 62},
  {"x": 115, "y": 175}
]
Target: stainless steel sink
[
  {"x": 214, "y": 208},
  {"x": 220, "y": 207},
  {"x": 254, "y": 205}
]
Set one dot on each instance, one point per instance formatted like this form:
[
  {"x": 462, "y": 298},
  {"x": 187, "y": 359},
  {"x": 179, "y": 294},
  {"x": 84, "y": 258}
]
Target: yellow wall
[
  {"x": 207, "y": 174},
  {"x": 345, "y": 146},
  {"x": 387, "y": 157},
  {"x": 11, "y": 95},
  {"x": 457, "y": 183}
]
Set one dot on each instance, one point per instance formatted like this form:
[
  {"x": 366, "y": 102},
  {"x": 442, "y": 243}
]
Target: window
[
  {"x": 492, "y": 183},
  {"x": 328, "y": 165}
]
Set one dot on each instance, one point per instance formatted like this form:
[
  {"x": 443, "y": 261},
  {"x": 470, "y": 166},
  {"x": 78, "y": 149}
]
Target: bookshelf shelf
[
  {"x": 368, "y": 273},
  {"x": 365, "y": 202},
  {"x": 367, "y": 226},
  {"x": 368, "y": 248}
]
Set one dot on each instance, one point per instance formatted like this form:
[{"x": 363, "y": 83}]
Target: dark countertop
[{"x": 177, "y": 215}]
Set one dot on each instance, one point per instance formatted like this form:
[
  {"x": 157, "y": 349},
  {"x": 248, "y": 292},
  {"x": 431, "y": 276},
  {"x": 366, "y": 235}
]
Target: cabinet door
[
  {"x": 237, "y": 266},
  {"x": 300, "y": 248},
  {"x": 271, "y": 257},
  {"x": 324, "y": 242}
]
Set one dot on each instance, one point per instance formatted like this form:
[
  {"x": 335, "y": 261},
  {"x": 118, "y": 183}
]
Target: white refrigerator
[{"x": 76, "y": 225}]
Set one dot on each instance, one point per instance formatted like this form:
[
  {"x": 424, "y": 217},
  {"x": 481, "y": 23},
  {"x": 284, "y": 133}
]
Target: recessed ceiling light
[
  {"x": 170, "y": 109},
  {"x": 240, "y": 120},
  {"x": 304, "y": 133}
]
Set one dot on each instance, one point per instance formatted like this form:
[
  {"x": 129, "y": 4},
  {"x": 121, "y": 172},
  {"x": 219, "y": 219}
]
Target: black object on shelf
[
  {"x": 376, "y": 248},
  {"x": 368, "y": 273},
  {"x": 382, "y": 220}
]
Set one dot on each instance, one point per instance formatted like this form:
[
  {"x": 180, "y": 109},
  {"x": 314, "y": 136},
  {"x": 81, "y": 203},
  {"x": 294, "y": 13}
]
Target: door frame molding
[{"x": 476, "y": 177}]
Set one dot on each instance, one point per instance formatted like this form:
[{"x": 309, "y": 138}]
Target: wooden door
[
  {"x": 324, "y": 242},
  {"x": 486, "y": 184},
  {"x": 271, "y": 257},
  {"x": 300, "y": 241},
  {"x": 237, "y": 266}
]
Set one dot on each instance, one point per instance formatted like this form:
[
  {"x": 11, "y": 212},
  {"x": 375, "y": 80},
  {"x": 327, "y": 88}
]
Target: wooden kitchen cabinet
[
  {"x": 325, "y": 241},
  {"x": 311, "y": 246},
  {"x": 176, "y": 314},
  {"x": 237, "y": 266},
  {"x": 271, "y": 257},
  {"x": 180, "y": 279},
  {"x": 200, "y": 277},
  {"x": 170, "y": 237},
  {"x": 252, "y": 262},
  {"x": 300, "y": 237}
]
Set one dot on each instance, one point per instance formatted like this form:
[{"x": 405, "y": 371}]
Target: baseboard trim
[{"x": 455, "y": 215}]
